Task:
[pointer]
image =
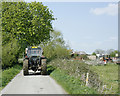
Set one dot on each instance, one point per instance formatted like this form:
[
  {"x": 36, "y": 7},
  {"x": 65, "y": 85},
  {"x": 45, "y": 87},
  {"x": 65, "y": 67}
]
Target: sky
[{"x": 87, "y": 26}]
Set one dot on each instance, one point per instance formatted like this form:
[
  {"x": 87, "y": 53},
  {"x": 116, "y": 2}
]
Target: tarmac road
[{"x": 33, "y": 84}]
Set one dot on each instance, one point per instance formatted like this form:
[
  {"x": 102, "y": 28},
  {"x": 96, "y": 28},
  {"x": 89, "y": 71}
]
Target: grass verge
[
  {"x": 70, "y": 84},
  {"x": 8, "y": 75}
]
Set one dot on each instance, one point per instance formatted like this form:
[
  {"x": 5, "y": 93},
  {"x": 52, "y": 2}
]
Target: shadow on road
[
  {"x": 32, "y": 73},
  {"x": 49, "y": 71}
]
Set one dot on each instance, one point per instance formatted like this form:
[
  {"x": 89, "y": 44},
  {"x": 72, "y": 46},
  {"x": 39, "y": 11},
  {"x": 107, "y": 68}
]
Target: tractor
[{"x": 34, "y": 60}]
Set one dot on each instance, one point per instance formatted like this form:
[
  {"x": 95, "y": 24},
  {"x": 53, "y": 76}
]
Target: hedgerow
[
  {"x": 9, "y": 74},
  {"x": 79, "y": 70}
]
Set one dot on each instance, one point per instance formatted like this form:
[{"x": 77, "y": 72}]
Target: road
[{"x": 33, "y": 84}]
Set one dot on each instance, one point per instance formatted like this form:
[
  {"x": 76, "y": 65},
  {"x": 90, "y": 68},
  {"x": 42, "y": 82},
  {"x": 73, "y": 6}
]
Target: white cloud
[{"x": 111, "y": 9}]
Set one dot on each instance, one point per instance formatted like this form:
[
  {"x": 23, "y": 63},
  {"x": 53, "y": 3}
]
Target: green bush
[
  {"x": 9, "y": 54},
  {"x": 9, "y": 74},
  {"x": 56, "y": 52},
  {"x": 50, "y": 69}
]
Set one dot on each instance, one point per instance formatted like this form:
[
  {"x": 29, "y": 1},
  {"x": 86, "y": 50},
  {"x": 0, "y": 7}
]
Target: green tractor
[{"x": 34, "y": 60}]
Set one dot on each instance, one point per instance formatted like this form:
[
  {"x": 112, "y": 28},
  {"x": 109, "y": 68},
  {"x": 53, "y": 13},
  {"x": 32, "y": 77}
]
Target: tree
[
  {"x": 55, "y": 48},
  {"x": 113, "y": 54},
  {"x": 29, "y": 23},
  {"x": 93, "y": 53},
  {"x": 99, "y": 51},
  {"x": 10, "y": 53}
]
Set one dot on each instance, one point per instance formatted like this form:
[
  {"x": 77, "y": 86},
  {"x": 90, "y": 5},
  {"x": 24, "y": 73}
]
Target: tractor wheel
[
  {"x": 43, "y": 67},
  {"x": 25, "y": 67}
]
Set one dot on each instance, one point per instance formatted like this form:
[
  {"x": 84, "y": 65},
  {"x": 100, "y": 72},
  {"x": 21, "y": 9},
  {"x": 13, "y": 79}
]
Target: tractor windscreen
[{"x": 34, "y": 52}]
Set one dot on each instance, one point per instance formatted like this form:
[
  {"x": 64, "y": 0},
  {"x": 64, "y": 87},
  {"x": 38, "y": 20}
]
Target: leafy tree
[
  {"x": 93, "y": 53},
  {"x": 61, "y": 52},
  {"x": 55, "y": 48},
  {"x": 113, "y": 54},
  {"x": 30, "y": 23},
  {"x": 57, "y": 38}
]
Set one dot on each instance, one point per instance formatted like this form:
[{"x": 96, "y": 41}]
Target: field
[{"x": 109, "y": 75}]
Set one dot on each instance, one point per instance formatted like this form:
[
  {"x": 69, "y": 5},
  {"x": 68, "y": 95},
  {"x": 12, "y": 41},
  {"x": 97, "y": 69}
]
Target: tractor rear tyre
[
  {"x": 25, "y": 67},
  {"x": 43, "y": 67}
]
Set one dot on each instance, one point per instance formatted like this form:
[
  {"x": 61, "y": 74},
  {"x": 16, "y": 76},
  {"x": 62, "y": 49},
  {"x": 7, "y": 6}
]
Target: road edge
[
  {"x": 59, "y": 85},
  {"x": 5, "y": 88}
]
